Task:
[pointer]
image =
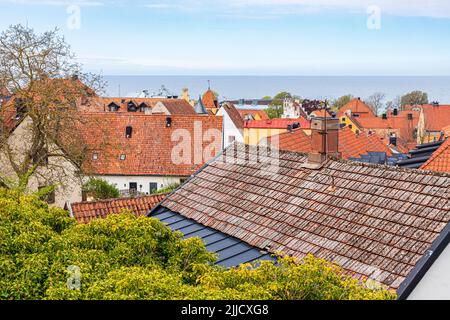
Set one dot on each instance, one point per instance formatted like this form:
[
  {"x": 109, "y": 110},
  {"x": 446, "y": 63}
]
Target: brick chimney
[{"x": 324, "y": 141}]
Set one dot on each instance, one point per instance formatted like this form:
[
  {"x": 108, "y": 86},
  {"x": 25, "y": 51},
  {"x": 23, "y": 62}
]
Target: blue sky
[{"x": 252, "y": 37}]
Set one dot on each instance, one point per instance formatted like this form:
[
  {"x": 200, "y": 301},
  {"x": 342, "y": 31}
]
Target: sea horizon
[{"x": 233, "y": 87}]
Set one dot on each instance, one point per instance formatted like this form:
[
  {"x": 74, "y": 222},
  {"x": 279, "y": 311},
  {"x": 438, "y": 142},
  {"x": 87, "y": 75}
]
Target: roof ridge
[{"x": 355, "y": 163}]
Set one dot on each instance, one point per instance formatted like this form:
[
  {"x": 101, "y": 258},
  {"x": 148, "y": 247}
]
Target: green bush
[
  {"x": 100, "y": 189},
  {"x": 169, "y": 188},
  {"x": 126, "y": 257}
]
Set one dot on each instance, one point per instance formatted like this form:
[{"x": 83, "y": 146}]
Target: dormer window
[
  {"x": 143, "y": 106},
  {"x": 112, "y": 107},
  {"x": 123, "y": 157},
  {"x": 132, "y": 107},
  {"x": 128, "y": 132},
  {"x": 95, "y": 156}
]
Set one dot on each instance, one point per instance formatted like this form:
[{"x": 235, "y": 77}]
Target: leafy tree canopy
[
  {"x": 100, "y": 189},
  {"x": 274, "y": 112},
  {"x": 414, "y": 97},
  {"x": 279, "y": 98},
  {"x": 44, "y": 254},
  {"x": 340, "y": 102}
]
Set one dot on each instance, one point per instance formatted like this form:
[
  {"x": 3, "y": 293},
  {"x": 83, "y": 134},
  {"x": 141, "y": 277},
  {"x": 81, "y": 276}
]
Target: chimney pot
[{"x": 324, "y": 141}]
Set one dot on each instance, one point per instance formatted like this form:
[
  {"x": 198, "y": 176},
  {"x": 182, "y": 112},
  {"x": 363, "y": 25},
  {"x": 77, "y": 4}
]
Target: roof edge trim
[{"x": 424, "y": 264}]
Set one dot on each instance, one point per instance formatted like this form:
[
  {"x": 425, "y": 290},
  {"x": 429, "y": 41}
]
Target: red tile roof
[
  {"x": 253, "y": 112},
  {"x": 297, "y": 141},
  {"x": 351, "y": 145},
  {"x": 209, "y": 99},
  {"x": 356, "y": 106},
  {"x": 400, "y": 123},
  {"x": 370, "y": 219},
  {"x": 151, "y": 148},
  {"x": 174, "y": 106},
  {"x": 436, "y": 117},
  {"x": 446, "y": 130},
  {"x": 320, "y": 113},
  {"x": 276, "y": 123},
  {"x": 65, "y": 90},
  {"x": 178, "y": 106},
  {"x": 84, "y": 212},
  {"x": 440, "y": 160}
]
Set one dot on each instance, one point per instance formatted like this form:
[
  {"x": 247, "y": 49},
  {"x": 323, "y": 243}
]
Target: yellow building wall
[
  {"x": 430, "y": 137},
  {"x": 347, "y": 121},
  {"x": 252, "y": 136}
]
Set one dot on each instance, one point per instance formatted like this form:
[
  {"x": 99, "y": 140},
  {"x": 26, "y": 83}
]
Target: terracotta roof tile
[
  {"x": 150, "y": 149},
  {"x": 436, "y": 117},
  {"x": 178, "y": 107},
  {"x": 356, "y": 106},
  {"x": 351, "y": 145},
  {"x": 296, "y": 141},
  {"x": 209, "y": 99},
  {"x": 276, "y": 123},
  {"x": 322, "y": 113},
  {"x": 440, "y": 160},
  {"x": 174, "y": 106},
  {"x": 84, "y": 212},
  {"x": 245, "y": 113},
  {"x": 373, "y": 217}
]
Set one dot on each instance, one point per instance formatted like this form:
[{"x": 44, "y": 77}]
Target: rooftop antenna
[{"x": 209, "y": 84}]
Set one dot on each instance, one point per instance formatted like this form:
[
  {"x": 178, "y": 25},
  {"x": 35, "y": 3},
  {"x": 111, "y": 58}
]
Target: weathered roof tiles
[
  {"x": 366, "y": 217},
  {"x": 84, "y": 212}
]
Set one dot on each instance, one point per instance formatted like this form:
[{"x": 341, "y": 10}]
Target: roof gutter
[{"x": 424, "y": 264}]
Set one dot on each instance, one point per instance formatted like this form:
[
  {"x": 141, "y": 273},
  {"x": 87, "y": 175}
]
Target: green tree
[
  {"x": 128, "y": 257},
  {"x": 414, "y": 97},
  {"x": 340, "y": 102},
  {"x": 274, "y": 112},
  {"x": 279, "y": 98},
  {"x": 100, "y": 189}
]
